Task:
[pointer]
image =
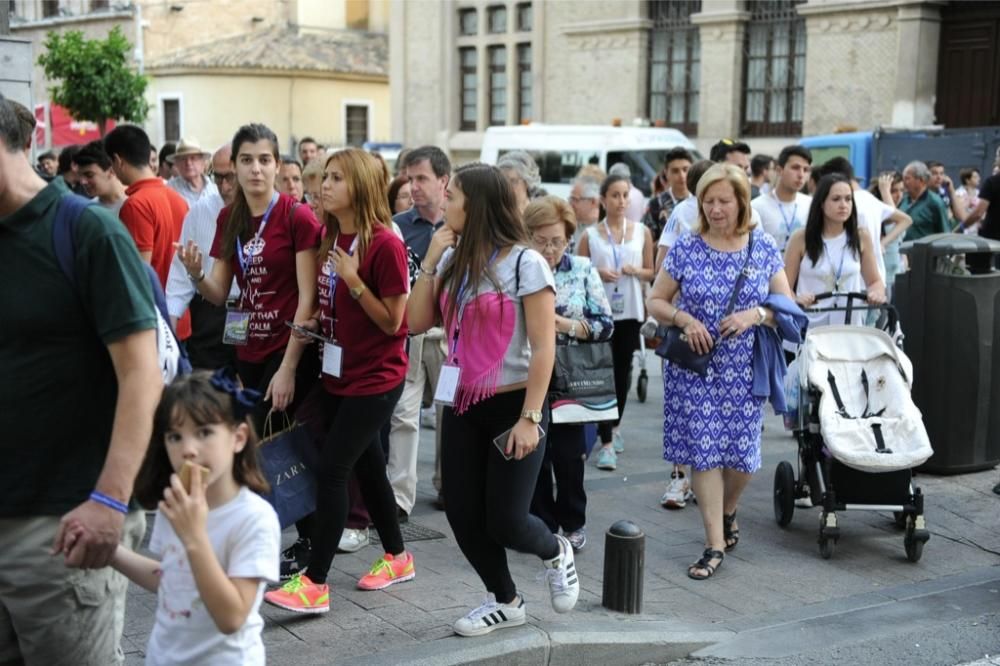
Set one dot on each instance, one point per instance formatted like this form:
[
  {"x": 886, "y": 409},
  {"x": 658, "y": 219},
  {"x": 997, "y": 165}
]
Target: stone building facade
[{"x": 767, "y": 71}]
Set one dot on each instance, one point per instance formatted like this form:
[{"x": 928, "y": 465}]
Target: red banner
[{"x": 56, "y": 128}]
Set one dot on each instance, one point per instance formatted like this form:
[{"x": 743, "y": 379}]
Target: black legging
[
  {"x": 565, "y": 505},
  {"x": 624, "y": 342},
  {"x": 486, "y": 498},
  {"x": 352, "y": 444}
]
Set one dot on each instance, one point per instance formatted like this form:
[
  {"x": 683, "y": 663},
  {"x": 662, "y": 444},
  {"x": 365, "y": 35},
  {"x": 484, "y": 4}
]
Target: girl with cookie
[{"x": 216, "y": 539}]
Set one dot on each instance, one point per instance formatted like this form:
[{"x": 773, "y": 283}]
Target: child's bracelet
[{"x": 109, "y": 502}]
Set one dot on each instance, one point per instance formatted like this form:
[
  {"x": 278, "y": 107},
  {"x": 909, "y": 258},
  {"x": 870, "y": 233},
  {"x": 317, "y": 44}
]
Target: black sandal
[
  {"x": 730, "y": 534},
  {"x": 706, "y": 563}
]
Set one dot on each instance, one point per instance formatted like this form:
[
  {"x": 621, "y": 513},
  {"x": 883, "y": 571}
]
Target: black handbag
[
  {"x": 583, "y": 384},
  {"x": 675, "y": 348}
]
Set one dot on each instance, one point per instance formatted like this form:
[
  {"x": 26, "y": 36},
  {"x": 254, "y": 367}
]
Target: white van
[{"x": 560, "y": 150}]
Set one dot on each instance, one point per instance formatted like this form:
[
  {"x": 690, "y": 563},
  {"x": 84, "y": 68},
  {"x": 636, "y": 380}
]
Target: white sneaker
[
  {"x": 804, "y": 502},
  {"x": 560, "y": 572},
  {"x": 489, "y": 617},
  {"x": 351, "y": 541},
  {"x": 678, "y": 492}
]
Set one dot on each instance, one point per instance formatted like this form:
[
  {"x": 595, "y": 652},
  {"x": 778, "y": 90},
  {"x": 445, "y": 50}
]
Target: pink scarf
[{"x": 485, "y": 332}]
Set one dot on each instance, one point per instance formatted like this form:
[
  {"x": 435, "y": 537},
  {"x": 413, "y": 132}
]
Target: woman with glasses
[
  {"x": 582, "y": 313},
  {"x": 622, "y": 251}
]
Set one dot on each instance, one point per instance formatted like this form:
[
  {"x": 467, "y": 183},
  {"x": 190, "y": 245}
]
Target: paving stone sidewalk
[{"x": 774, "y": 571}]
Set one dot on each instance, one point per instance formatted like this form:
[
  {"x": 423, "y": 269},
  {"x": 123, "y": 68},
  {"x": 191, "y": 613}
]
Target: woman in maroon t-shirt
[
  {"x": 268, "y": 242},
  {"x": 363, "y": 285}
]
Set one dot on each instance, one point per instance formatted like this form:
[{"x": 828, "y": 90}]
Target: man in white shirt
[
  {"x": 207, "y": 321},
  {"x": 191, "y": 182},
  {"x": 786, "y": 209}
]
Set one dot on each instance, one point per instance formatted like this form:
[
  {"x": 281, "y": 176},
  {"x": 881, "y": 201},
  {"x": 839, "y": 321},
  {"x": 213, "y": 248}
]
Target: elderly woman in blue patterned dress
[
  {"x": 582, "y": 313},
  {"x": 713, "y": 423}
]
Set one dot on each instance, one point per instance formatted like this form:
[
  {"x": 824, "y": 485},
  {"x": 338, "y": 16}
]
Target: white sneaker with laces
[
  {"x": 678, "y": 492},
  {"x": 560, "y": 572},
  {"x": 351, "y": 541},
  {"x": 490, "y": 616}
]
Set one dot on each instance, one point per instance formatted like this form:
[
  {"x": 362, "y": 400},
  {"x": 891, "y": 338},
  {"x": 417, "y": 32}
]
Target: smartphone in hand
[{"x": 500, "y": 441}]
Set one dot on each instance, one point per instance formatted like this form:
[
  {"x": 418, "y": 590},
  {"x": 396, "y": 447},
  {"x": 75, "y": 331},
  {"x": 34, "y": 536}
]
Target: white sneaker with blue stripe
[{"x": 490, "y": 616}]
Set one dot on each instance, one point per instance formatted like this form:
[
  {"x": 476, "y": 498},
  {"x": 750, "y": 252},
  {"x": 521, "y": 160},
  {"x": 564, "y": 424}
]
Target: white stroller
[{"x": 859, "y": 432}]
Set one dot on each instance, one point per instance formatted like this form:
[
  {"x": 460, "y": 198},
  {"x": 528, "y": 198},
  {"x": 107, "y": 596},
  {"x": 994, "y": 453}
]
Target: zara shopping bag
[{"x": 283, "y": 459}]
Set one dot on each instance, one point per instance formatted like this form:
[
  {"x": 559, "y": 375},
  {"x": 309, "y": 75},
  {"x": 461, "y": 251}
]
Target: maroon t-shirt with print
[
  {"x": 372, "y": 362},
  {"x": 269, "y": 291}
]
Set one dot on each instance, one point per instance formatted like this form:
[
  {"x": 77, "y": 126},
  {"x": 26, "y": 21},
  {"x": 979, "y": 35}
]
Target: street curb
[{"x": 550, "y": 644}]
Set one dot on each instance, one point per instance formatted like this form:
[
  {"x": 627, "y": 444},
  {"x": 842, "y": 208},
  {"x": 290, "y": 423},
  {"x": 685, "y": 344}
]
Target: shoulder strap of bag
[
  {"x": 517, "y": 271},
  {"x": 740, "y": 279}
]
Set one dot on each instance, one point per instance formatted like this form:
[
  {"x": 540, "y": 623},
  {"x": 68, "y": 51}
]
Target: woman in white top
[
  {"x": 831, "y": 254},
  {"x": 622, "y": 252}
]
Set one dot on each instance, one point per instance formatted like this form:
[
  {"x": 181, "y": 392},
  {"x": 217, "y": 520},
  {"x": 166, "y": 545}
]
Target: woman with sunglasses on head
[
  {"x": 495, "y": 299},
  {"x": 363, "y": 285},
  {"x": 266, "y": 241}
]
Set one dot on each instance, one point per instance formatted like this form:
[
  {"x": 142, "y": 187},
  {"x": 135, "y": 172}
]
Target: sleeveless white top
[
  {"x": 838, "y": 269},
  {"x": 604, "y": 255}
]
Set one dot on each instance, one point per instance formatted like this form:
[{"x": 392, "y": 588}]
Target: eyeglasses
[
  {"x": 221, "y": 178},
  {"x": 556, "y": 243},
  {"x": 576, "y": 200}
]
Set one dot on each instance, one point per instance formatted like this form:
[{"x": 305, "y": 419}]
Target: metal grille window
[
  {"x": 468, "y": 22},
  {"x": 469, "y": 86},
  {"x": 498, "y": 85},
  {"x": 50, "y": 8},
  {"x": 774, "y": 69},
  {"x": 524, "y": 90},
  {"x": 99, "y": 5},
  {"x": 674, "y": 64},
  {"x": 524, "y": 17},
  {"x": 356, "y": 124},
  {"x": 497, "y": 19}
]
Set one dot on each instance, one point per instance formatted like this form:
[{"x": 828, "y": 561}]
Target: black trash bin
[{"x": 949, "y": 308}]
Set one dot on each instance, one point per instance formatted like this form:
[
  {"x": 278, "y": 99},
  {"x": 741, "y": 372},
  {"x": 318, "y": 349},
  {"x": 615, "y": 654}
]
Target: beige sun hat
[{"x": 188, "y": 146}]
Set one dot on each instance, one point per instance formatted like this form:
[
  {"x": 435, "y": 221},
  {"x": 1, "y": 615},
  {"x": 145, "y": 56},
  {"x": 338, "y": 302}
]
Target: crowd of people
[{"x": 328, "y": 289}]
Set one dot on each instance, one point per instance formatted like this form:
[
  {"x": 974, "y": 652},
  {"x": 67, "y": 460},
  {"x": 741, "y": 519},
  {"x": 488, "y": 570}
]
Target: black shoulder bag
[{"x": 675, "y": 348}]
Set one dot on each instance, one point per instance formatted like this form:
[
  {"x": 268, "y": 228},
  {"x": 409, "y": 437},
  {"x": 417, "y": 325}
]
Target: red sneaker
[
  {"x": 386, "y": 571},
  {"x": 300, "y": 595}
]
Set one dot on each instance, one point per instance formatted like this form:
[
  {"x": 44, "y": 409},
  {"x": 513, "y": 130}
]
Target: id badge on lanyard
[
  {"x": 617, "y": 302},
  {"x": 447, "y": 384},
  {"x": 237, "y": 329},
  {"x": 333, "y": 359}
]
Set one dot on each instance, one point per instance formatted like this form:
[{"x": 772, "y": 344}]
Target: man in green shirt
[
  {"x": 930, "y": 215},
  {"x": 80, "y": 382}
]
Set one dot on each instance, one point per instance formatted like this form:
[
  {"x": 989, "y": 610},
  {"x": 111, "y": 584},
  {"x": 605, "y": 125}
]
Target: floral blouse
[{"x": 580, "y": 295}]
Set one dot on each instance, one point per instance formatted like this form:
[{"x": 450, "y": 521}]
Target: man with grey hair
[
  {"x": 585, "y": 199},
  {"x": 636, "y": 199},
  {"x": 930, "y": 215},
  {"x": 521, "y": 172},
  {"x": 86, "y": 345}
]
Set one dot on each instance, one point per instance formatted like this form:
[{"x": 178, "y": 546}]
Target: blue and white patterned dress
[{"x": 715, "y": 421}]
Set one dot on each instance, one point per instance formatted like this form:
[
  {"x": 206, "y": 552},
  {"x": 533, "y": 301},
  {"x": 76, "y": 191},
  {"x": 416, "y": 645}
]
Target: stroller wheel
[
  {"x": 784, "y": 493},
  {"x": 826, "y": 547},
  {"x": 914, "y": 548},
  {"x": 641, "y": 385}
]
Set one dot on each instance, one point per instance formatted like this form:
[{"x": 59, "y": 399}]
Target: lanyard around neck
[
  {"x": 611, "y": 241},
  {"x": 256, "y": 237}
]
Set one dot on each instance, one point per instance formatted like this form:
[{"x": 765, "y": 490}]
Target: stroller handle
[{"x": 888, "y": 315}]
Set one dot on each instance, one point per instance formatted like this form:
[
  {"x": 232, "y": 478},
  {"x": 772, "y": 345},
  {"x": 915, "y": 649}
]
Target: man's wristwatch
[
  {"x": 533, "y": 415},
  {"x": 357, "y": 291}
]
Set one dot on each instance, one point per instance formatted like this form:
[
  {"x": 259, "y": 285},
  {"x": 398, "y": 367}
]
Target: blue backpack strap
[{"x": 68, "y": 212}]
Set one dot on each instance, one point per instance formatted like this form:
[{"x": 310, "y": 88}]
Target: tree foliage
[{"x": 92, "y": 78}]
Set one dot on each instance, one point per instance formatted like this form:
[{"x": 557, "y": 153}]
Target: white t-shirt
[
  {"x": 872, "y": 212},
  {"x": 684, "y": 219},
  {"x": 246, "y": 538},
  {"x": 780, "y": 219}
]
